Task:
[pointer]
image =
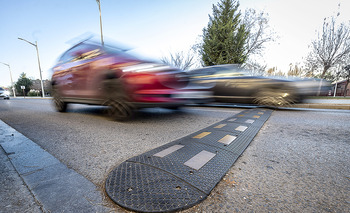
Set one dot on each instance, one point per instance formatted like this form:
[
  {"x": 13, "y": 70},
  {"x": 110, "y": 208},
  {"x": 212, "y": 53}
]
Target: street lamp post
[
  {"x": 37, "y": 53},
  {"x": 13, "y": 86},
  {"x": 99, "y": 8}
]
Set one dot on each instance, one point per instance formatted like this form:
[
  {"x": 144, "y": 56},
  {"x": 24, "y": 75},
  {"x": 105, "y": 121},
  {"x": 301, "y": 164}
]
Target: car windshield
[{"x": 229, "y": 71}]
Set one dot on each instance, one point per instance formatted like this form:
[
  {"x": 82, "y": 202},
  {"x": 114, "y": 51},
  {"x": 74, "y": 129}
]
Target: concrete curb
[
  {"x": 299, "y": 106},
  {"x": 322, "y": 106}
]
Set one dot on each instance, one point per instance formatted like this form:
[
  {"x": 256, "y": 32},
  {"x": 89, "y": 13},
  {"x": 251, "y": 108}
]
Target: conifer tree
[
  {"x": 23, "y": 81},
  {"x": 225, "y": 36}
]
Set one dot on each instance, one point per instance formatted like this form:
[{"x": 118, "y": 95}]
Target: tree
[
  {"x": 23, "y": 81},
  {"x": 274, "y": 72},
  {"x": 331, "y": 47},
  {"x": 256, "y": 23},
  {"x": 255, "y": 68},
  {"x": 295, "y": 71},
  {"x": 225, "y": 36},
  {"x": 180, "y": 60}
]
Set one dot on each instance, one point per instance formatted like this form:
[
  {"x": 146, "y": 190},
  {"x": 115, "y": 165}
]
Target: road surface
[{"x": 297, "y": 162}]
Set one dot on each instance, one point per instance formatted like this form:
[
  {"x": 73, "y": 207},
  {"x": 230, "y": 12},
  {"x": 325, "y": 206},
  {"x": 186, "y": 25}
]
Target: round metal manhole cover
[{"x": 146, "y": 189}]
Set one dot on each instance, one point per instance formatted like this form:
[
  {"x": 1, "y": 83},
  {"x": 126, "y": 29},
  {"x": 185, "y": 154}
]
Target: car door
[
  {"x": 228, "y": 83},
  {"x": 82, "y": 70},
  {"x": 62, "y": 76}
]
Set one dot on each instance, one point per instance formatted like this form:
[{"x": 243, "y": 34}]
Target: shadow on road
[{"x": 139, "y": 115}]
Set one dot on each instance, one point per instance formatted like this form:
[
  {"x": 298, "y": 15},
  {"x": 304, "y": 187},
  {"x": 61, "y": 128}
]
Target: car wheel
[
  {"x": 58, "y": 102},
  {"x": 275, "y": 97},
  {"x": 119, "y": 106},
  {"x": 118, "y": 109}
]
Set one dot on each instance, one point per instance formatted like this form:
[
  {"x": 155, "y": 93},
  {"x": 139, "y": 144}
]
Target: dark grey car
[{"x": 232, "y": 83}]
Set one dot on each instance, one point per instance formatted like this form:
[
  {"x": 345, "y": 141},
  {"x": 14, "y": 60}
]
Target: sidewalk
[
  {"x": 15, "y": 195},
  {"x": 32, "y": 180}
]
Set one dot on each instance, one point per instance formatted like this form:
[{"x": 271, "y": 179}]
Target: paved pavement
[
  {"x": 16, "y": 172},
  {"x": 32, "y": 180}
]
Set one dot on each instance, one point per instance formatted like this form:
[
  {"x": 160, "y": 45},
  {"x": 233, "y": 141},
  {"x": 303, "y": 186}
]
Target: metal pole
[
  {"x": 336, "y": 81},
  {"x": 37, "y": 53},
  {"x": 13, "y": 86},
  {"x": 41, "y": 79},
  {"x": 99, "y": 8}
]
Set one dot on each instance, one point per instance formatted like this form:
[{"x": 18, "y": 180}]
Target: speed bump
[{"x": 182, "y": 173}]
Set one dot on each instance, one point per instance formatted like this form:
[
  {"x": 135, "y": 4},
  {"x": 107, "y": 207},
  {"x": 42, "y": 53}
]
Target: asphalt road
[{"x": 299, "y": 161}]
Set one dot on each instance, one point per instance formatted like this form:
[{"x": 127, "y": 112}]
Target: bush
[{"x": 33, "y": 93}]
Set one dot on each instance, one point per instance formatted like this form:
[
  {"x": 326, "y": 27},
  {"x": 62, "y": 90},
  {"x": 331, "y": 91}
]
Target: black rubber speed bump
[{"x": 182, "y": 173}]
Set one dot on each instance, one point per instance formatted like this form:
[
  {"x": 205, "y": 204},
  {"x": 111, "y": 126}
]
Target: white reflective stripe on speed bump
[
  {"x": 227, "y": 139},
  {"x": 249, "y": 121},
  {"x": 241, "y": 128},
  {"x": 199, "y": 160},
  {"x": 168, "y": 151}
]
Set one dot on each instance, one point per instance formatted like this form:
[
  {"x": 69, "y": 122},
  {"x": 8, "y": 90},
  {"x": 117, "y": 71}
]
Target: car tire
[
  {"x": 274, "y": 97},
  {"x": 119, "y": 107},
  {"x": 58, "y": 102}
]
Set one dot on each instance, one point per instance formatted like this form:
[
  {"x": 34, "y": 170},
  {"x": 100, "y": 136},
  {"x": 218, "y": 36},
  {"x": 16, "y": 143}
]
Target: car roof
[{"x": 114, "y": 45}]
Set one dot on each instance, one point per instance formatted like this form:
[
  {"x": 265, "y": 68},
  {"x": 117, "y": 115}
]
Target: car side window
[
  {"x": 66, "y": 57},
  {"x": 85, "y": 52},
  {"x": 89, "y": 54},
  {"x": 228, "y": 73},
  {"x": 80, "y": 52}
]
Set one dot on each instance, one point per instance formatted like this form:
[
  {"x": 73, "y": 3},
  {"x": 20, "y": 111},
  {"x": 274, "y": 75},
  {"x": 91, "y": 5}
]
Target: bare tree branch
[
  {"x": 180, "y": 60},
  {"x": 259, "y": 31},
  {"x": 331, "y": 47}
]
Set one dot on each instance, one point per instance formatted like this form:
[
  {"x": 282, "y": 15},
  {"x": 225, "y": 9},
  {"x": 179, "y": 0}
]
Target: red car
[{"x": 89, "y": 73}]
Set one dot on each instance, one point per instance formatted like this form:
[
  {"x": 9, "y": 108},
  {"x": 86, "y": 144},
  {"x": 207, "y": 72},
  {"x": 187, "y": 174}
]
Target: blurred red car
[{"x": 89, "y": 73}]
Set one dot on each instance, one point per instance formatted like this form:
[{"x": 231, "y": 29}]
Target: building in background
[
  {"x": 36, "y": 87},
  {"x": 340, "y": 91}
]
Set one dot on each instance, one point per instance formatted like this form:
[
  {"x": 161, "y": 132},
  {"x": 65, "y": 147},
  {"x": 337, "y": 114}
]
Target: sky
[{"x": 153, "y": 28}]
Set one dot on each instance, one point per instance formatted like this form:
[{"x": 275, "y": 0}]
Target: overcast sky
[{"x": 153, "y": 27}]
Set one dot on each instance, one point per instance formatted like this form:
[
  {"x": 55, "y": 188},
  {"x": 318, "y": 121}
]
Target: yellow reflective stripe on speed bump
[
  {"x": 202, "y": 135},
  {"x": 220, "y": 126}
]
